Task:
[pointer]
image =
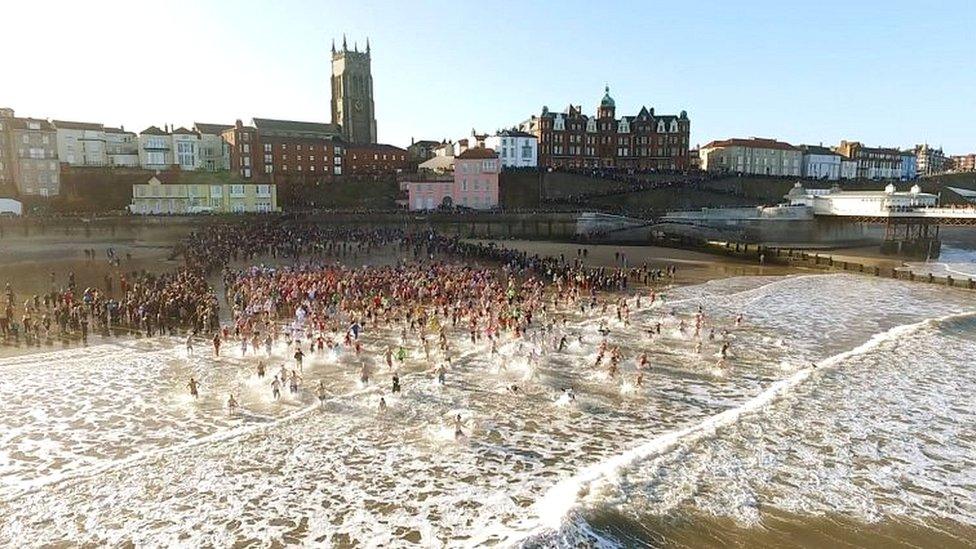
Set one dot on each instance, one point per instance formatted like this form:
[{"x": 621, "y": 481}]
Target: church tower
[{"x": 352, "y": 93}]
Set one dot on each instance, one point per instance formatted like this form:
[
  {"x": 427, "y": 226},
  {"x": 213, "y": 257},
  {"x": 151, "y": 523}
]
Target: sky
[{"x": 887, "y": 73}]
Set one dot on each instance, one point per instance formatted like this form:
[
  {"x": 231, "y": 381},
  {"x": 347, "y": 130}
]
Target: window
[
  {"x": 237, "y": 191},
  {"x": 337, "y": 170},
  {"x": 268, "y": 168},
  {"x": 216, "y": 191},
  {"x": 185, "y": 152},
  {"x": 267, "y": 147},
  {"x": 311, "y": 168},
  {"x": 264, "y": 190},
  {"x": 337, "y": 161}
]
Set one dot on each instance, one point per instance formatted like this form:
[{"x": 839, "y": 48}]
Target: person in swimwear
[
  {"x": 458, "y": 433},
  {"x": 396, "y": 383},
  {"x": 193, "y": 385},
  {"x": 276, "y": 388}
]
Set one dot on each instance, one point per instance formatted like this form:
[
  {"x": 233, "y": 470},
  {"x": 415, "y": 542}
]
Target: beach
[{"x": 839, "y": 417}]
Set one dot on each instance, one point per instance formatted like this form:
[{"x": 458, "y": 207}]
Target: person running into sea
[
  {"x": 216, "y": 344},
  {"x": 458, "y": 433},
  {"x": 231, "y": 404},
  {"x": 193, "y": 386},
  {"x": 396, "y": 383},
  {"x": 364, "y": 374},
  {"x": 260, "y": 368},
  {"x": 294, "y": 381},
  {"x": 299, "y": 355},
  {"x": 276, "y": 388},
  {"x": 189, "y": 344}
]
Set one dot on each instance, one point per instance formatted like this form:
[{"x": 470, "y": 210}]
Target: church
[{"x": 352, "y": 93}]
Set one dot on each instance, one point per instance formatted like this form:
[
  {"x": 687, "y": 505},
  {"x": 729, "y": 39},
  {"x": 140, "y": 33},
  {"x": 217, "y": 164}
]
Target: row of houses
[
  {"x": 848, "y": 160},
  {"x": 33, "y": 150}
]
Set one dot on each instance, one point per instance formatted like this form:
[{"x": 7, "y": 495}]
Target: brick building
[
  {"x": 277, "y": 150},
  {"x": 964, "y": 163},
  {"x": 644, "y": 141},
  {"x": 378, "y": 160}
]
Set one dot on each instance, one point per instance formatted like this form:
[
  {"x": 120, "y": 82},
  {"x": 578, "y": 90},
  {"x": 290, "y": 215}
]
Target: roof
[
  {"x": 607, "y": 101},
  {"x": 376, "y": 147},
  {"x": 426, "y": 143},
  {"x": 751, "y": 143},
  {"x": 965, "y": 193},
  {"x": 117, "y": 130},
  {"x": 183, "y": 131},
  {"x": 21, "y": 123},
  {"x": 180, "y": 177},
  {"x": 438, "y": 163},
  {"x": 817, "y": 149},
  {"x": 514, "y": 133},
  {"x": 211, "y": 129},
  {"x": 152, "y": 130},
  {"x": 292, "y": 128},
  {"x": 66, "y": 125},
  {"x": 477, "y": 153}
]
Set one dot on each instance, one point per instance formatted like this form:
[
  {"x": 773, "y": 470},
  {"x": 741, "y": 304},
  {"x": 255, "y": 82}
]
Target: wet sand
[{"x": 693, "y": 267}]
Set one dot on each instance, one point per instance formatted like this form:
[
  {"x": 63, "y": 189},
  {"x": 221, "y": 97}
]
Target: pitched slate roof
[
  {"x": 67, "y": 125},
  {"x": 211, "y": 129},
  {"x": 476, "y": 153},
  {"x": 292, "y": 128},
  {"x": 152, "y": 130},
  {"x": 751, "y": 143}
]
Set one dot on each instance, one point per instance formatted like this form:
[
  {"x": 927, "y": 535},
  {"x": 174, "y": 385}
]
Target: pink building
[{"x": 475, "y": 184}]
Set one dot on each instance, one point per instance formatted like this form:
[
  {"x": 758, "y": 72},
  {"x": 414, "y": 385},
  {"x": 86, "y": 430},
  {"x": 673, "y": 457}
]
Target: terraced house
[{"x": 176, "y": 193}]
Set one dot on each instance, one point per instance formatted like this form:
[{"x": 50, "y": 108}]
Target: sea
[{"x": 843, "y": 416}]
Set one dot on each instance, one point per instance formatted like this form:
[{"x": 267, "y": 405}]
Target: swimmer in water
[
  {"x": 189, "y": 344},
  {"x": 276, "y": 388},
  {"x": 231, "y": 403},
  {"x": 260, "y": 368},
  {"x": 382, "y": 403},
  {"x": 364, "y": 374},
  {"x": 396, "y": 383},
  {"x": 320, "y": 391},
  {"x": 193, "y": 385},
  {"x": 725, "y": 350},
  {"x": 513, "y": 388}
]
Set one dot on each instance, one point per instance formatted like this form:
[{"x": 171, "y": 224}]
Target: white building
[
  {"x": 214, "y": 151},
  {"x": 516, "y": 149},
  {"x": 81, "y": 143},
  {"x": 819, "y": 162},
  {"x": 751, "y": 156},
  {"x": 186, "y": 149},
  {"x": 848, "y": 168},
  {"x": 121, "y": 147},
  {"x": 835, "y": 201},
  {"x": 155, "y": 149}
]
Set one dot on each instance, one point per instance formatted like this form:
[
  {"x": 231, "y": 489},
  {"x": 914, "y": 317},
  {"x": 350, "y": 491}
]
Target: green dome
[{"x": 607, "y": 100}]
